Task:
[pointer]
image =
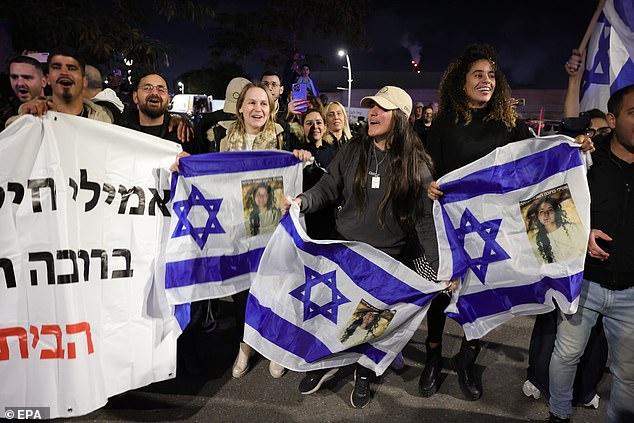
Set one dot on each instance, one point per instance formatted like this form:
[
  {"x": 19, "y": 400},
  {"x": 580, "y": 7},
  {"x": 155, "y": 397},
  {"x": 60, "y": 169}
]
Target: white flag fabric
[
  {"x": 225, "y": 209},
  {"x": 609, "y": 64},
  {"x": 514, "y": 225},
  {"x": 82, "y": 212},
  {"x": 319, "y": 304}
]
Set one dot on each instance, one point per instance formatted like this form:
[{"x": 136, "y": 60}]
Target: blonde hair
[
  {"x": 328, "y": 137},
  {"x": 267, "y": 139}
]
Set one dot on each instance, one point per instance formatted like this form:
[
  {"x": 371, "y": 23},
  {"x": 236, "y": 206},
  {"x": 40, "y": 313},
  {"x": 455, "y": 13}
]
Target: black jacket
[
  {"x": 612, "y": 211},
  {"x": 191, "y": 147},
  {"x": 453, "y": 145}
]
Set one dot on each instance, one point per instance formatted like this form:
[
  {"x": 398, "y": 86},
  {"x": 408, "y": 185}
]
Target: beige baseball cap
[
  {"x": 233, "y": 92},
  {"x": 390, "y": 98}
]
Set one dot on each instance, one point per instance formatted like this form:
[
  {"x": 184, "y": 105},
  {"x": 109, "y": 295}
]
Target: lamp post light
[
  {"x": 342, "y": 53},
  {"x": 181, "y": 87}
]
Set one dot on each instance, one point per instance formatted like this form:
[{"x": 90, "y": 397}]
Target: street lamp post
[
  {"x": 181, "y": 87},
  {"x": 342, "y": 53}
]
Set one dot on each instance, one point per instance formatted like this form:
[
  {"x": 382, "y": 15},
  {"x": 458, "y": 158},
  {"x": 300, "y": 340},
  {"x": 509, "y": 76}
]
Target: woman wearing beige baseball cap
[{"x": 382, "y": 176}]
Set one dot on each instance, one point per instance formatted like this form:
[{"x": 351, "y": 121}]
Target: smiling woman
[
  {"x": 379, "y": 177},
  {"x": 475, "y": 117},
  {"x": 255, "y": 127}
]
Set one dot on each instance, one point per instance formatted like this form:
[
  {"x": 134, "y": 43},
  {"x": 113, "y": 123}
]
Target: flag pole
[{"x": 593, "y": 22}]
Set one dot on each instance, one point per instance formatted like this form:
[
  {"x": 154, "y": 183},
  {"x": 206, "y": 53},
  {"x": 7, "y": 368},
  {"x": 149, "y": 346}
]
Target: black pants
[
  {"x": 240, "y": 308},
  {"x": 436, "y": 319}
]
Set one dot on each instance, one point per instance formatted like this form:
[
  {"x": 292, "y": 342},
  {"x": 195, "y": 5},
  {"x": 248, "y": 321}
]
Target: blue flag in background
[{"x": 609, "y": 64}]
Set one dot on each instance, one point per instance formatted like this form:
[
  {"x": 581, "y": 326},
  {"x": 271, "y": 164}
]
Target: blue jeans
[{"x": 617, "y": 307}]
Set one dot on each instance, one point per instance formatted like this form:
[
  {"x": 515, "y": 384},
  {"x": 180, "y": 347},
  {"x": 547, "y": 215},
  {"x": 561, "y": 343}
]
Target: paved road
[{"x": 214, "y": 396}]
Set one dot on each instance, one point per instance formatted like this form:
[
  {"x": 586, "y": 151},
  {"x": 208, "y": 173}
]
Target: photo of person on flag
[
  {"x": 381, "y": 176},
  {"x": 260, "y": 206},
  {"x": 553, "y": 226},
  {"x": 365, "y": 324}
]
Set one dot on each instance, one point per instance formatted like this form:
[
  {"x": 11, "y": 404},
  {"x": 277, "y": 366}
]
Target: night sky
[{"x": 533, "y": 38}]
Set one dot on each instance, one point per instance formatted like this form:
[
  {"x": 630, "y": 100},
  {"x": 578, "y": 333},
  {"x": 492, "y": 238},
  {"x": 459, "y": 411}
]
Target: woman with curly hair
[
  {"x": 380, "y": 176},
  {"x": 362, "y": 329},
  {"x": 556, "y": 238},
  {"x": 475, "y": 117}
]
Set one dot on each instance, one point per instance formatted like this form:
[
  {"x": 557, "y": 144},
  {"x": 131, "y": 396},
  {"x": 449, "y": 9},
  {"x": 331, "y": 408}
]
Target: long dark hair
[
  {"x": 376, "y": 318},
  {"x": 542, "y": 239},
  {"x": 254, "y": 216},
  {"x": 453, "y": 99},
  {"x": 407, "y": 158}
]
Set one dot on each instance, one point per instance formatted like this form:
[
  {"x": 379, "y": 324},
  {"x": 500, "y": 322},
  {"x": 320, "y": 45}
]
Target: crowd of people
[{"x": 377, "y": 187}]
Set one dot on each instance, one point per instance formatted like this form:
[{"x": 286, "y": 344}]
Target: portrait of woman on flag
[{"x": 553, "y": 228}]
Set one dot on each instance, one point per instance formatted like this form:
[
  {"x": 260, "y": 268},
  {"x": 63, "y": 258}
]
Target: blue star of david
[
  {"x": 303, "y": 293},
  {"x": 599, "y": 72},
  {"x": 488, "y": 231},
  {"x": 184, "y": 226}
]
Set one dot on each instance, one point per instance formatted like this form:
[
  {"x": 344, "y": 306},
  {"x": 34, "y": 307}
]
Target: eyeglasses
[
  {"x": 591, "y": 132},
  {"x": 148, "y": 88},
  {"x": 271, "y": 84}
]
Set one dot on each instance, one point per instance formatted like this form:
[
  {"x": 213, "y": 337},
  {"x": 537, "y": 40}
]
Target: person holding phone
[
  {"x": 381, "y": 177},
  {"x": 307, "y": 80}
]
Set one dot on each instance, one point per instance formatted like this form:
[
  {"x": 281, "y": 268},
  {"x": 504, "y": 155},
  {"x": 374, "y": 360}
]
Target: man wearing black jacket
[
  {"x": 152, "y": 98},
  {"x": 608, "y": 287}
]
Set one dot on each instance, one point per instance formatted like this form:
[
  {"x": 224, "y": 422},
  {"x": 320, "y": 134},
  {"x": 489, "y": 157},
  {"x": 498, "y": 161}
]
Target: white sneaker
[
  {"x": 531, "y": 390},
  {"x": 276, "y": 370},
  {"x": 241, "y": 365},
  {"x": 594, "y": 403}
]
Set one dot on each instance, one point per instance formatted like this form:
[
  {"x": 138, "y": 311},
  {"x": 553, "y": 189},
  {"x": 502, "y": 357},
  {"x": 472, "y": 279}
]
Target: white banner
[{"x": 82, "y": 215}]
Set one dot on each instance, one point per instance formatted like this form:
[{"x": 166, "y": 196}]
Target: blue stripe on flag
[
  {"x": 625, "y": 77},
  {"x": 234, "y": 161},
  {"x": 361, "y": 271},
  {"x": 211, "y": 269},
  {"x": 499, "y": 300},
  {"x": 182, "y": 312},
  {"x": 460, "y": 260},
  {"x": 294, "y": 339},
  {"x": 527, "y": 171}
]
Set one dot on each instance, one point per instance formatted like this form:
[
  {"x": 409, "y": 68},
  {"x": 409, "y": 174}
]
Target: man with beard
[
  {"x": 422, "y": 125},
  {"x": 152, "y": 98},
  {"x": 67, "y": 79},
  {"x": 27, "y": 81}
]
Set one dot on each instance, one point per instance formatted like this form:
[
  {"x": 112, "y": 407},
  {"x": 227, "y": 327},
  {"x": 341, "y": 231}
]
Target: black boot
[
  {"x": 428, "y": 382},
  {"x": 463, "y": 362}
]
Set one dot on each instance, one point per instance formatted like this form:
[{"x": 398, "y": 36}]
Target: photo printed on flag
[
  {"x": 318, "y": 304},
  {"x": 514, "y": 226},
  {"x": 225, "y": 209}
]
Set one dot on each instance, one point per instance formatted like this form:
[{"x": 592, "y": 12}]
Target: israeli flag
[
  {"x": 321, "y": 304},
  {"x": 609, "y": 65},
  {"x": 225, "y": 207},
  {"x": 514, "y": 227}
]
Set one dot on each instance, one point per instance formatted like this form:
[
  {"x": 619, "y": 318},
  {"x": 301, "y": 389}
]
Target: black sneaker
[
  {"x": 360, "y": 396},
  {"x": 314, "y": 379},
  {"x": 554, "y": 419}
]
